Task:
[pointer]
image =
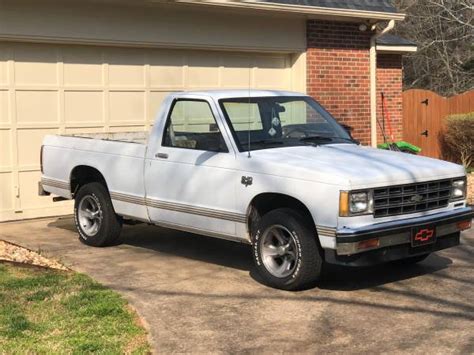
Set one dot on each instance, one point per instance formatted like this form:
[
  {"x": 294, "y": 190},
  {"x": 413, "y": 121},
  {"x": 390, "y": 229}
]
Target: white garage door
[{"x": 48, "y": 89}]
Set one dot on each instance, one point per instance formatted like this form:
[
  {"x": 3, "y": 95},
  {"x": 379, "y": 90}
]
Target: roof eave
[
  {"x": 300, "y": 9},
  {"x": 396, "y": 48}
]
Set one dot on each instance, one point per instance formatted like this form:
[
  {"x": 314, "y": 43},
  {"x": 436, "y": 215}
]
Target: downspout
[{"x": 373, "y": 80}]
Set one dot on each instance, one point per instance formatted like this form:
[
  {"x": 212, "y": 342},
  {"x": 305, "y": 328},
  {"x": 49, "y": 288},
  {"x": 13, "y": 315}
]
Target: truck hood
[{"x": 350, "y": 165}]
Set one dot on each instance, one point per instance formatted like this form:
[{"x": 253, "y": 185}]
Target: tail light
[{"x": 41, "y": 159}]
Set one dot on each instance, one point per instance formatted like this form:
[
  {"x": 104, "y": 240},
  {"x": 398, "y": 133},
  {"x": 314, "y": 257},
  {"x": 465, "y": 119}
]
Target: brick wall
[
  {"x": 389, "y": 81},
  {"x": 338, "y": 75}
]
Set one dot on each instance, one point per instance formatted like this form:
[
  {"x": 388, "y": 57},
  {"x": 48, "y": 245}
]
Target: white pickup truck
[{"x": 269, "y": 168}]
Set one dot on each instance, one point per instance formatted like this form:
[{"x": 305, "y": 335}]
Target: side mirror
[{"x": 347, "y": 128}]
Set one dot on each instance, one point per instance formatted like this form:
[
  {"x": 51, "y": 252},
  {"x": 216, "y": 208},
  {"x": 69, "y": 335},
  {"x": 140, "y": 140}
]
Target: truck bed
[
  {"x": 128, "y": 137},
  {"x": 119, "y": 157},
  {"x": 131, "y": 144}
]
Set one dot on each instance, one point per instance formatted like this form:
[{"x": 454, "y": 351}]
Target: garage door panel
[
  {"x": 83, "y": 129},
  {"x": 35, "y": 64},
  {"x": 6, "y": 192},
  {"x": 5, "y": 149},
  {"x": 127, "y": 106},
  {"x": 126, "y": 67},
  {"x": 4, "y": 107},
  {"x": 84, "y": 106},
  {"x": 3, "y": 64},
  {"x": 29, "y": 144},
  {"x": 236, "y": 71},
  {"x": 203, "y": 70},
  {"x": 37, "y": 107},
  {"x": 83, "y": 66},
  {"x": 166, "y": 69},
  {"x": 29, "y": 199},
  {"x": 272, "y": 73},
  {"x": 50, "y": 89},
  {"x": 154, "y": 103}
]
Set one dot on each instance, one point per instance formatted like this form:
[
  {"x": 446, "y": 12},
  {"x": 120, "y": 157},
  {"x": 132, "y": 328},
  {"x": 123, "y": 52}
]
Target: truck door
[{"x": 189, "y": 175}]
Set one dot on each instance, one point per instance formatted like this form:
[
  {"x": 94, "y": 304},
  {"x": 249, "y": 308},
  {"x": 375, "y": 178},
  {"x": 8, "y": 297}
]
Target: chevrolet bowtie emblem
[{"x": 416, "y": 198}]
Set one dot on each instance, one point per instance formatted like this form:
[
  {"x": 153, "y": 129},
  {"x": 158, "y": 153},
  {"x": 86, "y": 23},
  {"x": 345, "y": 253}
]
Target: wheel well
[
  {"x": 266, "y": 202},
  {"x": 84, "y": 174}
]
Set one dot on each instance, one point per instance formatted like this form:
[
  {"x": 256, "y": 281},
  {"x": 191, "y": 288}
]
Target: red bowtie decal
[{"x": 424, "y": 234}]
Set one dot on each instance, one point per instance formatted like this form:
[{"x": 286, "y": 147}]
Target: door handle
[
  {"x": 424, "y": 133},
  {"x": 161, "y": 155}
]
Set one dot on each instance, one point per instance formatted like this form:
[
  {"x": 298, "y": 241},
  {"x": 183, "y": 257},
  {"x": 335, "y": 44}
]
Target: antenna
[
  {"x": 383, "y": 118},
  {"x": 248, "y": 128}
]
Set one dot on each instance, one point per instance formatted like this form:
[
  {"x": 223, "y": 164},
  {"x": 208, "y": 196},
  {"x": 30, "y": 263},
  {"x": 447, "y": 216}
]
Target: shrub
[{"x": 457, "y": 140}]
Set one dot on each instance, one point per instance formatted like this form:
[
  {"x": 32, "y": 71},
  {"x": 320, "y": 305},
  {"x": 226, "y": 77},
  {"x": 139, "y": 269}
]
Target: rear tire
[
  {"x": 285, "y": 250},
  {"x": 94, "y": 215}
]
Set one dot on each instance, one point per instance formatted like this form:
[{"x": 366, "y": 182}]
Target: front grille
[{"x": 411, "y": 198}]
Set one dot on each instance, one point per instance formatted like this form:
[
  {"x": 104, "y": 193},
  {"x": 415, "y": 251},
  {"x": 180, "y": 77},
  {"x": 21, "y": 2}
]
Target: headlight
[
  {"x": 458, "y": 189},
  {"x": 355, "y": 203},
  {"x": 358, "y": 202}
]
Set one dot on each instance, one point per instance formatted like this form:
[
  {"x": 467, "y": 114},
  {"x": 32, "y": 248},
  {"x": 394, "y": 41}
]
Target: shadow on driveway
[
  {"x": 238, "y": 256},
  {"x": 196, "y": 295}
]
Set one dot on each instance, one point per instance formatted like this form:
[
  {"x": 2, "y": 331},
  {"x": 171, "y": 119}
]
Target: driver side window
[{"x": 191, "y": 125}]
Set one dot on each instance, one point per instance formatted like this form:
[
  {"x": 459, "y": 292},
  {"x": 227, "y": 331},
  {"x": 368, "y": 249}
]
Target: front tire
[
  {"x": 94, "y": 215},
  {"x": 285, "y": 250}
]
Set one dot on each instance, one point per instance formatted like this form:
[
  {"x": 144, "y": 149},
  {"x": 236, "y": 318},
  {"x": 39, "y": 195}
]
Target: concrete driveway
[{"x": 198, "y": 294}]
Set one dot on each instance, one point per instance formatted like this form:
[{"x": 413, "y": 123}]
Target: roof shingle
[
  {"x": 393, "y": 40},
  {"x": 362, "y": 5}
]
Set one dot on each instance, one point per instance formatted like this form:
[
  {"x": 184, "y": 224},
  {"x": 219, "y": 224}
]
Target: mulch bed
[{"x": 17, "y": 254}]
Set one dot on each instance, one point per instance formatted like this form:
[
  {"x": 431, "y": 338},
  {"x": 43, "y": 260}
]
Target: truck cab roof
[{"x": 227, "y": 94}]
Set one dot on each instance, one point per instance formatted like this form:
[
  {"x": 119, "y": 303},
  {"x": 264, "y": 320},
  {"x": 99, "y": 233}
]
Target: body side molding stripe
[
  {"x": 326, "y": 231},
  {"x": 206, "y": 212},
  {"x": 127, "y": 198},
  {"x": 56, "y": 183},
  {"x": 201, "y": 232}
]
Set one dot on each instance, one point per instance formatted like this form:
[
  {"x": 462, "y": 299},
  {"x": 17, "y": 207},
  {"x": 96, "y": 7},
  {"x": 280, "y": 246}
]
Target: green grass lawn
[{"x": 48, "y": 311}]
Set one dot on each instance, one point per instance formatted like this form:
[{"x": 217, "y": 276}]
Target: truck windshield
[{"x": 281, "y": 121}]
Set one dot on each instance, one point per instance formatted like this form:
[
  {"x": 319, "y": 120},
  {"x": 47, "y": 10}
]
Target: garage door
[{"x": 57, "y": 89}]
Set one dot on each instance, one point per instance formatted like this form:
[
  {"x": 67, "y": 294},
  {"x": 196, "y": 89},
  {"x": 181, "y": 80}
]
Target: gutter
[
  {"x": 396, "y": 48},
  {"x": 373, "y": 80},
  {"x": 296, "y": 9}
]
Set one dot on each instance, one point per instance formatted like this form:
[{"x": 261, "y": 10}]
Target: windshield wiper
[
  {"x": 324, "y": 139},
  {"x": 266, "y": 142},
  {"x": 316, "y": 138}
]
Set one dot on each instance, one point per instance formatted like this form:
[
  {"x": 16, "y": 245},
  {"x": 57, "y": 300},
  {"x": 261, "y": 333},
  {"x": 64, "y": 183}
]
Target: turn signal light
[
  {"x": 344, "y": 204},
  {"x": 368, "y": 244},
  {"x": 463, "y": 225}
]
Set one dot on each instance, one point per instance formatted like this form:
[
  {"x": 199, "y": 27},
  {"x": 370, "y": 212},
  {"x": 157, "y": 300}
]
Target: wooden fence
[{"x": 424, "y": 113}]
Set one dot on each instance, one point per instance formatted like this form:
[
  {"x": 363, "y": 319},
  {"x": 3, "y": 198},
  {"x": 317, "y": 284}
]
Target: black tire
[
  {"x": 411, "y": 260},
  {"x": 108, "y": 229},
  {"x": 307, "y": 261}
]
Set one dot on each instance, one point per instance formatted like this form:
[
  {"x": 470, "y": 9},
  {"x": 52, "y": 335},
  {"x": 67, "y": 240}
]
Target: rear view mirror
[{"x": 280, "y": 108}]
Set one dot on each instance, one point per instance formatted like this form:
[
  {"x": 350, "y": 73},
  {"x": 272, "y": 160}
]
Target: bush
[{"x": 457, "y": 139}]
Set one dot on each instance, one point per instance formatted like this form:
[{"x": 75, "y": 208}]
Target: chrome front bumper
[{"x": 398, "y": 232}]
